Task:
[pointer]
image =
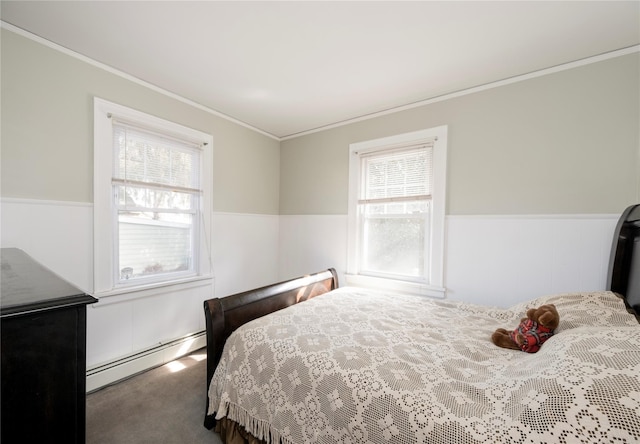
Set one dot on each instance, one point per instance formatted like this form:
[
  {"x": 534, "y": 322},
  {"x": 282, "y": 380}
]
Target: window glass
[
  {"x": 393, "y": 241},
  {"x": 156, "y": 191}
]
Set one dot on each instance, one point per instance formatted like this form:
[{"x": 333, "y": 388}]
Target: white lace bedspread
[{"x": 354, "y": 366}]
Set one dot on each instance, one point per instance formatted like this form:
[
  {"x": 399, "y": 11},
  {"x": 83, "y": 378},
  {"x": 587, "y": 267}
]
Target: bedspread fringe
[{"x": 257, "y": 427}]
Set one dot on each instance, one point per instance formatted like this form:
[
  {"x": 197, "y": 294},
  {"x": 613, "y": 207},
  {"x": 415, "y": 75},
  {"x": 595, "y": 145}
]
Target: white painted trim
[
  {"x": 399, "y": 286},
  {"x": 68, "y": 203},
  {"x": 104, "y": 279},
  {"x": 61, "y": 203},
  {"x": 535, "y": 216},
  {"x": 129, "y": 77},
  {"x": 127, "y": 294},
  {"x": 314, "y": 215},
  {"x": 227, "y": 213},
  {"x": 473, "y": 90},
  {"x": 435, "y": 274},
  {"x": 108, "y": 373}
]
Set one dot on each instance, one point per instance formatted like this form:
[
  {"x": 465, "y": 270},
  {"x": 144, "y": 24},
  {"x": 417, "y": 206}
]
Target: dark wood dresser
[{"x": 43, "y": 333}]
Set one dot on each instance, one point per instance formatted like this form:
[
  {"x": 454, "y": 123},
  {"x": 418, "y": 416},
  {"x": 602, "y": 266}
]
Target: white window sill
[
  {"x": 408, "y": 287},
  {"x": 152, "y": 289}
]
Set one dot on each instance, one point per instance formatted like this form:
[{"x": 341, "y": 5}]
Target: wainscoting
[
  {"x": 503, "y": 260},
  {"x": 489, "y": 260},
  {"x": 125, "y": 333},
  {"x": 57, "y": 234},
  {"x": 495, "y": 260}
]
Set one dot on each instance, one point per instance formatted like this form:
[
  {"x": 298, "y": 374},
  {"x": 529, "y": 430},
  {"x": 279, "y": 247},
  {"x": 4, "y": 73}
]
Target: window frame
[
  {"x": 105, "y": 210},
  {"x": 433, "y": 284}
]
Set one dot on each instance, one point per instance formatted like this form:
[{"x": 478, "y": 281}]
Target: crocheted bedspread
[{"x": 360, "y": 366}]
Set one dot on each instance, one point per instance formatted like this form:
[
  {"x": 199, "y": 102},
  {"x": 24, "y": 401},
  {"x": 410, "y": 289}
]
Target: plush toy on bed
[{"x": 532, "y": 332}]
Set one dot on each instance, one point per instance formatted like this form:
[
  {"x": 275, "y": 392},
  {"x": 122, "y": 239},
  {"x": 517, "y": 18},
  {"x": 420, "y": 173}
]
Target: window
[
  {"x": 152, "y": 194},
  {"x": 396, "y": 212}
]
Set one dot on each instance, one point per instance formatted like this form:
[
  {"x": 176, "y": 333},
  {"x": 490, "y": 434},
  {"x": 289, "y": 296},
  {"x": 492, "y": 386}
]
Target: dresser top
[{"x": 28, "y": 286}]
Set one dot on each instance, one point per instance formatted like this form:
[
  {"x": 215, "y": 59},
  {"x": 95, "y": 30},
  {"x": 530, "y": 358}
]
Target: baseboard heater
[{"x": 123, "y": 368}]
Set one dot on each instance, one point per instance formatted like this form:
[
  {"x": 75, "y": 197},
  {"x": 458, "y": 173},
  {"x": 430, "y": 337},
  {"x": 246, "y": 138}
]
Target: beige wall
[
  {"x": 47, "y": 131},
  {"x": 564, "y": 143}
]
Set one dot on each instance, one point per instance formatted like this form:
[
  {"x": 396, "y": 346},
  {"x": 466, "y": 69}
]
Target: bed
[{"x": 351, "y": 365}]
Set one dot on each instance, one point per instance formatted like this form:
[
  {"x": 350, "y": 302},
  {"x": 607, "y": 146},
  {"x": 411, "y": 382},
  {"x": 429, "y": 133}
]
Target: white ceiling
[{"x": 291, "y": 67}]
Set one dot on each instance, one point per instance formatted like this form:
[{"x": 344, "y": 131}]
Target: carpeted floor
[{"x": 162, "y": 406}]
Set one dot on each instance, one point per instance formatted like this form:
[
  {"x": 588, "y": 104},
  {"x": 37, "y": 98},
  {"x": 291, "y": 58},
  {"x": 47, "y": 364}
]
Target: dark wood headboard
[
  {"x": 224, "y": 315},
  {"x": 624, "y": 263}
]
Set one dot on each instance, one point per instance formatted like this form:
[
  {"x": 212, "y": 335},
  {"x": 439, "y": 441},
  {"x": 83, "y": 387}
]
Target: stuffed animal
[{"x": 532, "y": 332}]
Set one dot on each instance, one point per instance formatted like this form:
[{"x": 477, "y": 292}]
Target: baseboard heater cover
[{"x": 123, "y": 368}]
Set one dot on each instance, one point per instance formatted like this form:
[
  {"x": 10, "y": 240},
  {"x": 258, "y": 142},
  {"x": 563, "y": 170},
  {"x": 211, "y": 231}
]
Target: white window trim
[
  {"x": 103, "y": 229},
  {"x": 435, "y": 287}
]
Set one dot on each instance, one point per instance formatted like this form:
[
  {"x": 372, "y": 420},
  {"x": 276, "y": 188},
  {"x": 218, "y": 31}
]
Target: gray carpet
[{"x": 162, "y": 406}]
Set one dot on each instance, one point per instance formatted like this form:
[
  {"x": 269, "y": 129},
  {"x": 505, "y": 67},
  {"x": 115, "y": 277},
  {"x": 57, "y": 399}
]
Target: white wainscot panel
[
  {"x": 168, "y": 315},
  {"x": 122, "y": 325},
  {"x": 57, "y": 234},
  {"x": 503, "y": 260},
  {"x": 310, "y": 243},
  {"x": 245, "y": 251},
  {"x": 109, "y": 332}
]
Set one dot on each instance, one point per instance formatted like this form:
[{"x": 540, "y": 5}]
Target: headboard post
[
  {"x": 214, "y": 321},
  {"x": 623, "y": 276}
]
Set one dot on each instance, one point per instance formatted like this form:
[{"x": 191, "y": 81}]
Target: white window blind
[
  {"x": 398, "y": 175},
  {"x": 156, "y": 188}
]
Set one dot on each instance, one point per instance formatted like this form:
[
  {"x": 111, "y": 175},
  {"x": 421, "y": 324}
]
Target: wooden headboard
[
  {"x": 224, "y": 315},
  {"x": 624, "y": 263}
]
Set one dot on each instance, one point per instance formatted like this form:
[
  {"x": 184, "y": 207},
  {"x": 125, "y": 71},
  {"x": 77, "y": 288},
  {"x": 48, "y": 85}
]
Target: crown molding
[
  {"x": 129, "y": 77},
  {"x": 515, "y": 79},
  {"x": 475, "y": 89}
]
